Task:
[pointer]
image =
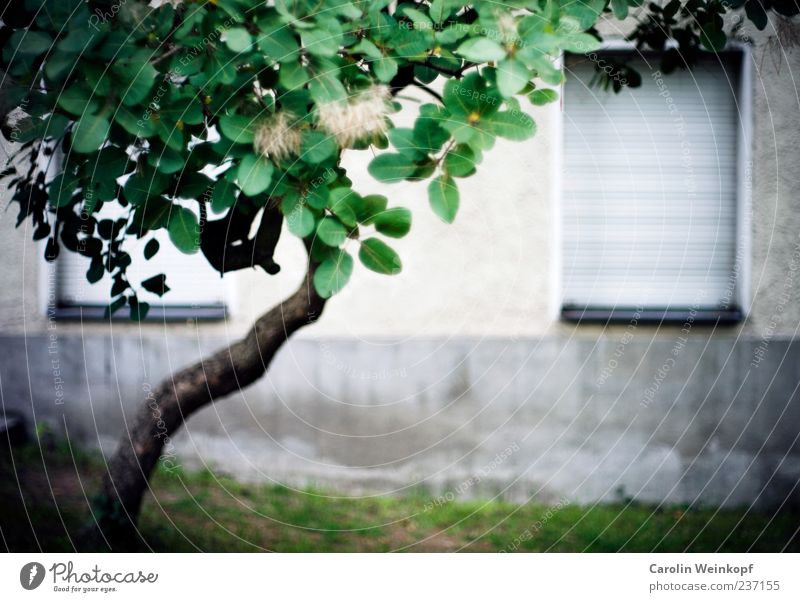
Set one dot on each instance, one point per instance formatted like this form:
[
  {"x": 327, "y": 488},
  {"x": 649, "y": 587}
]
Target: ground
[{"x": 44, "y": 493}]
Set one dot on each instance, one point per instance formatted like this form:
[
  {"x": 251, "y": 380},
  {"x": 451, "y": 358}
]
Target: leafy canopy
[{"x": 243, "y": 109}]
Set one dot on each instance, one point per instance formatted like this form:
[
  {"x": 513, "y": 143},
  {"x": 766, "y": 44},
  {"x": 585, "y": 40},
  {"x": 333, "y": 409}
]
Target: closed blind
[
  {"x": 192, "y": 281},
  {"x": 650, "y": 196}
]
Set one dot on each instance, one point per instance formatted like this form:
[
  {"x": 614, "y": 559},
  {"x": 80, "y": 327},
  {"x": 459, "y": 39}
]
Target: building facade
[{"x": 613, "y": 315}]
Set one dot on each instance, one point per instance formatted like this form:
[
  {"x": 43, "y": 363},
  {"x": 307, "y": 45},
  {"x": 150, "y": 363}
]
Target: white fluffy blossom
[
  {"x": 278, "y": 137},
  {"x": 360, "y": 117}
]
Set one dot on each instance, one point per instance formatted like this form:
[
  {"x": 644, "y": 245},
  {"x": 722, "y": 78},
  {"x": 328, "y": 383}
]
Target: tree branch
[
  {"x": 430, "y": 91},
  {"x": 176, "y": 398}
]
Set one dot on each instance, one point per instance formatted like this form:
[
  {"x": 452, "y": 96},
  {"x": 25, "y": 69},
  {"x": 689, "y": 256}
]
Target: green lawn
[{"x": 43, "y": 502}]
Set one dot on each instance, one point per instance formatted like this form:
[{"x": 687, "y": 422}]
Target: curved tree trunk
[{"x": 175, "y": 399}]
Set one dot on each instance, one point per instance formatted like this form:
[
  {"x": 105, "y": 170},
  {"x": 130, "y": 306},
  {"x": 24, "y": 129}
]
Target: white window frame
[
  {"x": 48, "y": 291},
  {"x": 744, "y": 151}
]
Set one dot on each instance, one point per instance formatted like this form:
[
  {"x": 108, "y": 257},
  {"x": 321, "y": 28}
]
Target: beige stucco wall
[
  {"x": 486, "y": 274},
  {"x": 491, "y": 272},
  {"x": 776, "y": 188}
]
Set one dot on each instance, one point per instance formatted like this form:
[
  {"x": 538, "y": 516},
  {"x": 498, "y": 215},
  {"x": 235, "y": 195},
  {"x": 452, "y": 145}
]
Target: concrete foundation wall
[{"x": 708, "y": 420}]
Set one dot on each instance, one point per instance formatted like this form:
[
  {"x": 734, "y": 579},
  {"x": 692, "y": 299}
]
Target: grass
[{"x": 44, "y": 501}]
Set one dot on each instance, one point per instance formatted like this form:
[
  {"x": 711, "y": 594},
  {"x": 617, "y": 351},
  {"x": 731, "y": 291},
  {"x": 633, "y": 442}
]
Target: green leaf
[
  {"x": 327, "y": 88},
  {"x": 171, "y": 136},
  {"x": 321, "y": 42},
  {"x": 77, "y": 39},
  {"x": 238, "y": 128},
  {"x": 192, "y": 185},
  {"x": 184, "y": 231},
  {"x": 238, "y": 40},
  {"x": 166, "y": 160},
  {"x": 470, "y": 96},
  {"x": 223, "y": 196},
  {"x": 232, "y": 8},
  {"x": 372, "y": 205},
  {"x": 441, "y": 9},
  {"x": 385, "y": 68},
  {"x": 181, "y": 106},
  {"x": 367, "y": 48},
  {"x": 444, "y": 199},
  {"x": 543, "y": 96},
  {"x": 546, "y": 70},
  {"x": 451, "y": 34},
  {"x": 333, "y": 274},
  {"x": 512, "y": 76},
  {"x": 317, "y": 147},
  {"x": 254, "y": 174},
  {"x": 58, "y": 65},
  {"x": 392, "y": 167},
  {"x": 460, "y": 161},
  {"x": 217, "y": 70},
  {"x": 135, "y": 78},
  {"x": 136, "y": 125},
  {"x": 419, "y": 18},
  {"x": 317, "y": 197},
  {"x": 144, "y": 184},
  {"x": 379, "y": 257},
  {"x": 346, "y": 204},
  {"x": 620, "y": 8},
  {"x": 292, "y": 76},
  {"x": 151, "y": 248},
  {"x": 514, "y": 125},
  {"x": 331, "y": 231},
  {"x": 279, "y": 44},
  {"x": 29, "y": 42},
  {"x": 405, "y": 141},
  {"x": 151, "y": 215},
  {"x": 395, "y": 222},
  {"x": 481, "y": 50},
  {"x": 429, "y": 136},
  {"x": 300, "y": 221},
  {"x": 78, "y": 100},
  {"x": 89, "y": 132},
  {"x": 580, "y": 42},
  {"x": 112, "y": 162}
]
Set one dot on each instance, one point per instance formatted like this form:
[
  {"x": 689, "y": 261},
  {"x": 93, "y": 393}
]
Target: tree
[{"x": 241, "y": 110}]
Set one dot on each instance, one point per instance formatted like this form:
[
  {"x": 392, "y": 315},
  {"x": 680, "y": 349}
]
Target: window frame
[
  {"x": 740, "y": 307},
  {"x": 79, "y": 312}
]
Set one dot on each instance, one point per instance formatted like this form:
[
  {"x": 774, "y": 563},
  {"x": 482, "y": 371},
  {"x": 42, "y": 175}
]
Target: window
[
  {"x": 651, "y": 214},
  {"x": 196, "y": 289}
]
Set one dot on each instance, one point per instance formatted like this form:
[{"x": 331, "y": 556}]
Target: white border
[{"x": 361, "y": 577}]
